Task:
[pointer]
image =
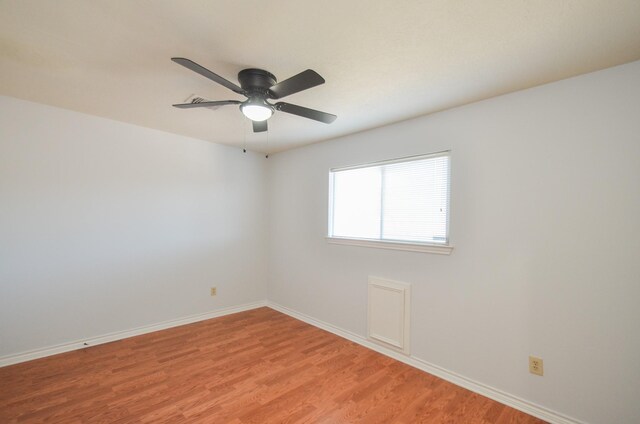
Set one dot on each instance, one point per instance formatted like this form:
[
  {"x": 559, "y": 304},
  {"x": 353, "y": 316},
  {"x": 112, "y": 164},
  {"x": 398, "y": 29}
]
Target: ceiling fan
[{"x": 258, "y": 86}]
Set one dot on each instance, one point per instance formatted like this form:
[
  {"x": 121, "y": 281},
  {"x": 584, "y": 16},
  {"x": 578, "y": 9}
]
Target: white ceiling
[{"x": 383, "y": 60}]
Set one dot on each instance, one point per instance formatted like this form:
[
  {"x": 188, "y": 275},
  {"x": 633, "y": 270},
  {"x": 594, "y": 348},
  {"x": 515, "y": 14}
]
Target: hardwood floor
[{"x": 258, "y": 366}]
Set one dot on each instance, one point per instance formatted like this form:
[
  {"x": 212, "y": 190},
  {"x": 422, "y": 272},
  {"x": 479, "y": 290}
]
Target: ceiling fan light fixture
[
  {"x": 259, "y": 86},
  {"x": 256, "y": 110}
]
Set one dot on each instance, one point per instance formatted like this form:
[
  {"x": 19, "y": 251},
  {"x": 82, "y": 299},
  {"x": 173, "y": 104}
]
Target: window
[{"x": 392, "y": 204}]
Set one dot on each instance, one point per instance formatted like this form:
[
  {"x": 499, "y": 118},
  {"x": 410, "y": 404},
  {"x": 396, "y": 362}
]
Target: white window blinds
[{"x": 404, "y": 200}]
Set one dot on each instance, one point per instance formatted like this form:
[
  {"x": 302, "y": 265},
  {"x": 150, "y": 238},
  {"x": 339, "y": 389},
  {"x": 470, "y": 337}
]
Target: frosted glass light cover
[{"x": 257, "y": 112}]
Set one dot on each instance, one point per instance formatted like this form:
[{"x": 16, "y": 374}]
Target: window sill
[{"x": 440, "y": 249}]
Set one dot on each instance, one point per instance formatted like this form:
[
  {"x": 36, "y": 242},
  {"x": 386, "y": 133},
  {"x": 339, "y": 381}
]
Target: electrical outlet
[
  {"x": 214, "y": 291},
  {"x": 536, "y": 365}
]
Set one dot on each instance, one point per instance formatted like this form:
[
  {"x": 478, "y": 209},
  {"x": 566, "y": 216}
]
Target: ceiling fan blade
[
  {"x": 296, "y": 83},
  {"x": 207, "y": 73},
  {"x": 259, "y": 126},
  {"x": 207, "y": 104},
  {"x": 316, "y": 115}
]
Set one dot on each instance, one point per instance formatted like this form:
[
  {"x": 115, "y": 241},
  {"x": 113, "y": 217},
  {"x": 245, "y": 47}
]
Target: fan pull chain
[
  {"x": 243, "y": 122},
  {"x": 267, "y": 155}
]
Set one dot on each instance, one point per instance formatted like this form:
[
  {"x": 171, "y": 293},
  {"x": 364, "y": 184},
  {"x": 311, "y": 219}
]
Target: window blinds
[{"x": 404, "y": 200}]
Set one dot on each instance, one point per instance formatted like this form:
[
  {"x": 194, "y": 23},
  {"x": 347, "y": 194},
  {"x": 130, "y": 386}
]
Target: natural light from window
[{"x": 403, "y": 200}]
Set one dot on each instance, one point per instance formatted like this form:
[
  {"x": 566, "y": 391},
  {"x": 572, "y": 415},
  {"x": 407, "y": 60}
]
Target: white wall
[
  {"x": 546, "y": 227},
  {"x": 106, "y": 226}
]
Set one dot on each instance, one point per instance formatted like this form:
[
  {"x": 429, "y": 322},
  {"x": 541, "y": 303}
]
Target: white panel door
[{"x": 388, "y": 321}]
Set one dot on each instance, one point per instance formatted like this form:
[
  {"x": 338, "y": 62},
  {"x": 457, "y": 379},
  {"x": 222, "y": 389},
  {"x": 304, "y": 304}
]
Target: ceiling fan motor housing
[
  {"x": 256, "y": 80},
  {"x": 256, "y": 83}
]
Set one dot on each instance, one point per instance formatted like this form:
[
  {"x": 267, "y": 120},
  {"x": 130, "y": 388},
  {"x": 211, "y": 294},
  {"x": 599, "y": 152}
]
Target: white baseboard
[
  {"x": 457, "y": 379},
  {"x": 119, "y": 335}
]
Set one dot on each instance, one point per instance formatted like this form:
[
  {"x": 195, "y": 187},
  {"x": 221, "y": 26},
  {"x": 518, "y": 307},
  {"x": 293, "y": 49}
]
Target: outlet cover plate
[{"x": 536, "y": 365}]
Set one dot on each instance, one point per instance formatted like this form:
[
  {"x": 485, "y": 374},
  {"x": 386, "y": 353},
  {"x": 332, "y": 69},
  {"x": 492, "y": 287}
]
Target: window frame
[{"x": 412, "y": 246}]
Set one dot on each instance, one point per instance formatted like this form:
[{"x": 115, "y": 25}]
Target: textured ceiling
[{"x": 384, "y": 61}]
